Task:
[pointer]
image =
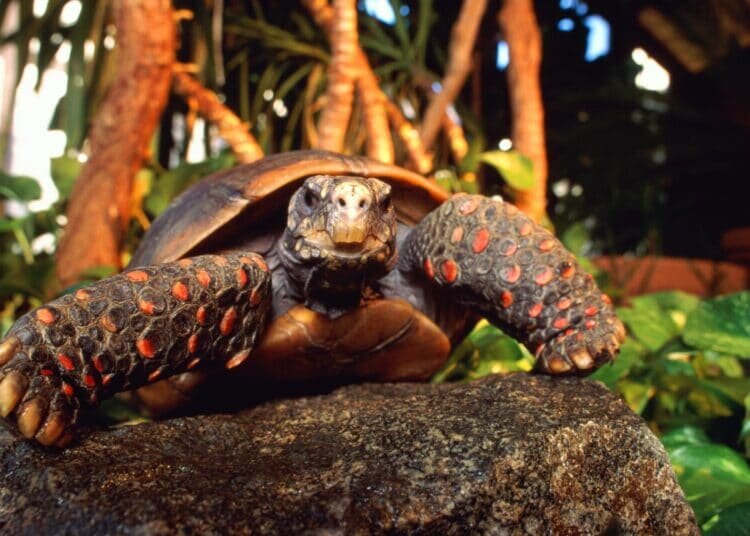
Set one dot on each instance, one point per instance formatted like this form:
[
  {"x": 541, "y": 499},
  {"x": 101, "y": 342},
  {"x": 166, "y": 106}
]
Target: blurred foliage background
[{"x": 656, "y": 167}]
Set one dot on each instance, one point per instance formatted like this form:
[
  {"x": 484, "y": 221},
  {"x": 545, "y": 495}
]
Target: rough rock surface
[{"x": 520, "y": 454}]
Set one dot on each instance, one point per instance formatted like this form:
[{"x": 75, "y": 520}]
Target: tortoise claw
[
  {"x": 30, "y": 417},
  {"x": 52, "y": 429},
  {"x": 12, "y": 388}
]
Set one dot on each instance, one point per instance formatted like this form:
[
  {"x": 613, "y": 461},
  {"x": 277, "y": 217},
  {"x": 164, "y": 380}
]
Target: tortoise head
[{"x": 340, "y": 234}]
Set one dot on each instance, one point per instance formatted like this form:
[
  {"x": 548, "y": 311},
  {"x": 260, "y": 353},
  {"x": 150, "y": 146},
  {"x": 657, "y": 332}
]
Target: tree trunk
[
  {"x": 463, "y": 37},
  {"x": 519, "y": 25},
  {"x": 99, "y": 208},
  {"x": 207, "y": 104},
  {"x": 342, "y": 71}
]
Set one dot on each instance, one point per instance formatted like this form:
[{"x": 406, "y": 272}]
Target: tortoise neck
[{"x": 328, "y": 286}]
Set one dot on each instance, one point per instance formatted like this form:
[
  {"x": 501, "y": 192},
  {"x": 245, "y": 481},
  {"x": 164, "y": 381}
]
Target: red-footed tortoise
[{"x": 303, "y": 267}]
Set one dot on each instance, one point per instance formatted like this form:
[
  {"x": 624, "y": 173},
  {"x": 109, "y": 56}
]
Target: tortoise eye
[
  {"x": 385, "y": 200},
  {"x": 310, "y": 199}
]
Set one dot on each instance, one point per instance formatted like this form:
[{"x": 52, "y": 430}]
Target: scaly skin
[
  {"x": 127, "y": 331},
  {"x": 495, "y": 259}
]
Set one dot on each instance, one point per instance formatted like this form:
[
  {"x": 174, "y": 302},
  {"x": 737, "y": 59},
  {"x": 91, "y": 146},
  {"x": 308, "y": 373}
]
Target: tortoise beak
[{"x": 351, "y": 201}]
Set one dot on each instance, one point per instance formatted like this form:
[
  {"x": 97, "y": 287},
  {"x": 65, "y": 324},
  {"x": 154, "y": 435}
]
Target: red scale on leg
[
  {"x": 227, "y": 321},
  {"x": 535, "y": 310},
  {"x": 591, "y": 311},
  {"x": 201, "y": 315},
  {"x": 155, "y": 375},
  {"x": 544, "y": 277},
  {"x": 429, "y": 270},
  {"x": 546, "y": 245},
  {"x": 146, "y": 348},
  {"x": 65, "y": 361},
  {"x": 469, "y": 206},
  {"x": 525, "y": 229},
  {"x": 193, "y": 363},
  {"x": 449, "y": 270},
  {"x": 481, "y": 240},
  {"x": 82, "y": 294},
  {"x": 511, "y": 274},
  {"x": 457, "y": 235},
  {"x": 192, "y": 344},
  {"x": 254, "y": 297},
  {"x": 90, "y": 381},
  {"x": 108, "y": 324},
  {"x": 506, "y": 299},
  {"x": 137, "y": 276},
  {"x": 98, "y": 363},
  {"x": 241, "y": 277},
  {"x": 203, "y": 278},
  {"x": 563, "y": 304},
  {"x": 560, "y": 323},
  {"x": 67, "y": 389},
  {"x": 46, "y": 316},
  {"x": 180, "y": 291},
  {"x": 567, "y": 270},
  {"x": 146, "y": 307},
  {"x": 508, "y": 248}
]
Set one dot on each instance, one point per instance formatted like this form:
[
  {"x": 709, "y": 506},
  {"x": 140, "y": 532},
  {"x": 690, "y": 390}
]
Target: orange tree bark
[
  {"x": 99, "y": 208},
  {"x": 519, "y": 25},
  {"x": 463, "y": 37},
  {"x": 342, "y": 71},
  {"x": 231, "y": 128},
  {"x": 372, "y": 98}
]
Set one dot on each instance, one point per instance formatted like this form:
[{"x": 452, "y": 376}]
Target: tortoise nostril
[
  {"x": 342, "y": 203},
  {"x": 361, "y": 203}
]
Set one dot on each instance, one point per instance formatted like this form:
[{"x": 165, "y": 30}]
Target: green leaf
[
  {"x": 630, "y": 354},
  {"x": 712, "y": 476},
  {"x": 637, "y": 395},
  {"x": 516, "y": 169},
  {"x": 732, "y": 521},
  {"x": 575, "y": 238},
  {"x": 19, "y": 188},
  {"x": 684, "y": 435},
  {"x": 649, "y": 325},
  {"x": 721, "y": 324},
  {"x": 65, "y": 171}
]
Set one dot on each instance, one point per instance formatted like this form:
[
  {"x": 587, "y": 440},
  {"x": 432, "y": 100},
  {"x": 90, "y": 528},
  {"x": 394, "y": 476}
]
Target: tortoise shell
[
  {"x": 244, "y": 208},
  {"x": 241, "y": 201}
]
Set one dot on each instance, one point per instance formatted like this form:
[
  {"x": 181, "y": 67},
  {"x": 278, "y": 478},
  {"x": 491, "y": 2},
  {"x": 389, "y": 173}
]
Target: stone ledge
[{"x": 515, "y": 454}]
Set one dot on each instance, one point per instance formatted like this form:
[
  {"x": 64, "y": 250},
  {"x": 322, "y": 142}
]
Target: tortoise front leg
[
  {"x": 517, "y": 274},
  {"x": 127, "y": 331}
]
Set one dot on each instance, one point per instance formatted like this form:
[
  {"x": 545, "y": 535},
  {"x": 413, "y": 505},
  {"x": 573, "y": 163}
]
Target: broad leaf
[
  {"x": 19, "y": 188},
  {"x": 516, "y": 169},
  {"x": 649, "y": 325},
  {"x": 712, "y": 476},
  {"x": 732, "y": 521},
  {"x": 721, "y": 324},
  {"x": 630, "y": 354}
]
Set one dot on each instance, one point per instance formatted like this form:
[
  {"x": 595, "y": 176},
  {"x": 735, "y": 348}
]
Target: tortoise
[{"x": 303, "y": 268}]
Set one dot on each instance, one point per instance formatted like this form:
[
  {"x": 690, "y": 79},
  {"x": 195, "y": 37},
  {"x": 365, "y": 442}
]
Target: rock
[{"x": 511, "y": 455}]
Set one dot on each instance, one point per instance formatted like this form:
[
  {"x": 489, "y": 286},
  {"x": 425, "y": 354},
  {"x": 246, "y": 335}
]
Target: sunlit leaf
[
  {"x": 631, "y": 353},
  {"x": 712, "y": 476},
  {"x": 721, "y": 324},
  {"x": 649, "y": 325},
  {"x": 637, "y": 395},
  {"x": 516, "y": 169}
]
